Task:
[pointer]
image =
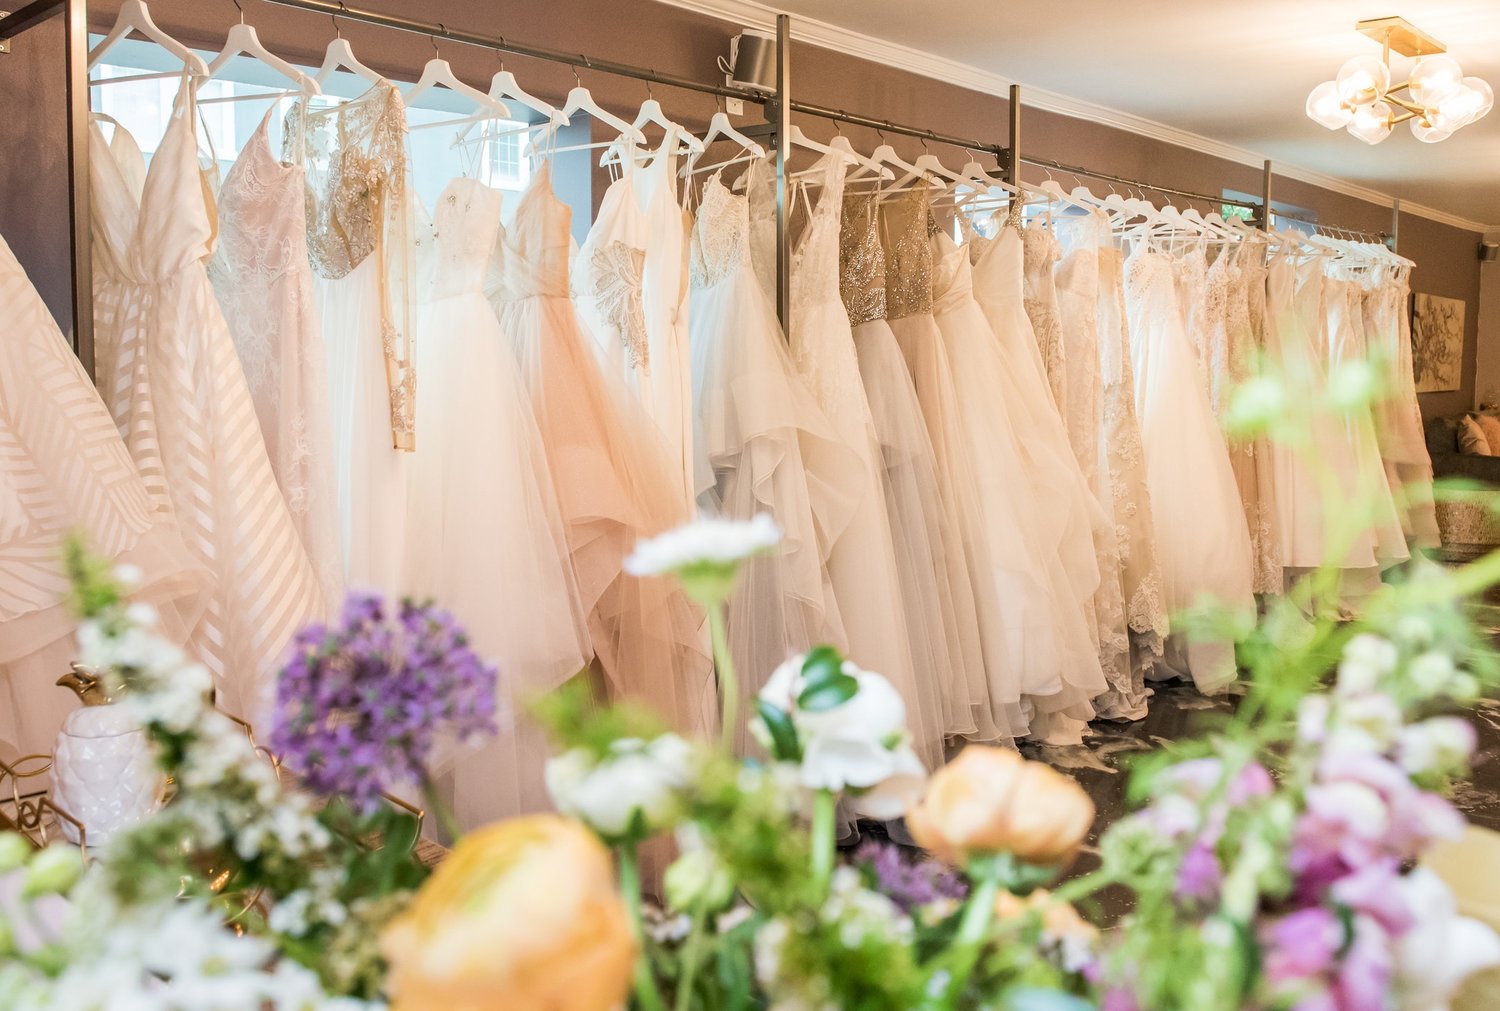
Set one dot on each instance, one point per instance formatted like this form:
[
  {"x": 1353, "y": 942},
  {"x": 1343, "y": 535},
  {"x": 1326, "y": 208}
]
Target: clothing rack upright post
[{"x": 76, "y": 62}]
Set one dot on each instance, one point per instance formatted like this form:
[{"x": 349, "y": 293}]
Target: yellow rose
[
  {"x": 522, "y": 916},
  {"x": 991, "y": 800}
]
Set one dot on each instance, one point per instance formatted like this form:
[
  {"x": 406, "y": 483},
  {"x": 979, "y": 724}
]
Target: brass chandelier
[{"x": 1439, "y": 99}]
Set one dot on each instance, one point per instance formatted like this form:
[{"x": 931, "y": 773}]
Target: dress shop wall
[
  {"x": 1487, "y": 357},
  {"x": 686, "y": 43}
]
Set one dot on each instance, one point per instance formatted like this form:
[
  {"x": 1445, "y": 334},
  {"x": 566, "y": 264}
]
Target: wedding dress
[
  {"x": 613, "y": 480},
  {"x": 180, "y": 400},
  {"x": 64, "y": 471},
  {"x": 263, "y": 280},
  {"x": 359, "y": 225},
  {"x": 631, "y": 290},
  {"x": 1017, "y": 430},
  {"x": 862, "y": 562},
  {"x": 1203, "y": 544},
  {"x": 763, "y": 446},
  {"x": 931, "y": 559},
  {"x": 1041, "y": 255},
  {"x": 485, "y": 537}
]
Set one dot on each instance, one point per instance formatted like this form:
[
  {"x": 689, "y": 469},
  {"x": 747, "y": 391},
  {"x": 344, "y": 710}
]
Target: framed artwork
[{"x": 1437, "y": 342}]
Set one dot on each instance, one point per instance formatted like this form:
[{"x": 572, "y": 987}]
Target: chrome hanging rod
[
  {"x": 1001, "y": 154},
  {"x": 1075, "y": 170},
  {"x": 436, "y": 30}
]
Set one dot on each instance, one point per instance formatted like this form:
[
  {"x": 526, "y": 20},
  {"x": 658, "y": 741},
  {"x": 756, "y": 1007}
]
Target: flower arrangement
[{"x": 1272, "y": 864}]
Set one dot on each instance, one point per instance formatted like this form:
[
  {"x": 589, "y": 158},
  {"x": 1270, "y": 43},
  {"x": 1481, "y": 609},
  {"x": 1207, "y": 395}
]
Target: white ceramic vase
[{"x": 104, "y": 774}]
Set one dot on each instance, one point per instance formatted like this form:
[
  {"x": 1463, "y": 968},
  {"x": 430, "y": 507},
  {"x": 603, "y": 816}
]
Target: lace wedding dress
[
  {"x": 263, "y": 280},
  {"x": 1203, "y": 544},
  {"x": 862, "y": 562},
  {"x": 1041, "y": 254},
  {"x": 1016, "y": 430},
  {"x": 487, "y": 542},
  {"x": 359, "y": 232},
  {"x": 931, "y": 558},
  {"x": 763, "y": 447},
  {"x": 632, "y": 295},
  {"x": 179, "y": 397},
  {"x": 64, "y": 471},
  {"x": 613, "y": 480}
]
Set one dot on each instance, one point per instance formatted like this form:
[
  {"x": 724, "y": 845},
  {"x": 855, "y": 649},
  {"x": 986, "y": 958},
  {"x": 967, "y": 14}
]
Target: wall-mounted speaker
[{"x": 1489, "y": 251}]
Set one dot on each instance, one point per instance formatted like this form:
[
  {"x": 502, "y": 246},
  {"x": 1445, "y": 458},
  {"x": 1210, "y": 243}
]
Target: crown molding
[{"x": 751, "y": 14}]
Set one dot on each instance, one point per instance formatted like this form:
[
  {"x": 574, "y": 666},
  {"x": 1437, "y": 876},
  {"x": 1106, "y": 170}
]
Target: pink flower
[
  {"x": 1364, "y": 979},
  {"x": 1302, "y": 945},
  {"x": 1375, "y": 891}
]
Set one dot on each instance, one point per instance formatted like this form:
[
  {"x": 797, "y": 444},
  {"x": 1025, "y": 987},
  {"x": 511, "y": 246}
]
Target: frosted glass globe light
[
  {"x": 1326, "y": 108},
  {"x": 1428, "y": 134},
  {"x": 1478, "y": 92},
  {"x": 1363, "y": 79},
  {"x": 1434, "y": 78},
  {"x": 1372, "y": 123}
]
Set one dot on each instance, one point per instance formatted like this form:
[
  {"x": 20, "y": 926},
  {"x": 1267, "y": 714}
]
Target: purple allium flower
[
  {"x": 359, "y": 706},
  {"x": 908, "y": 882}
]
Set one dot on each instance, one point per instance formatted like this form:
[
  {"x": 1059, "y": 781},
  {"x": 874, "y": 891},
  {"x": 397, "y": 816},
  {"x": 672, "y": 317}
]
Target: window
[{"x": 1283, "y": 216}]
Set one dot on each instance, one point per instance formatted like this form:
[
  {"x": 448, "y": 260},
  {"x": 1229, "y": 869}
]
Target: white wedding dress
[
  {"x": 933, "y": 565},
  {"x": 485, "y": 538},
  {"x": 1203, "y": 544},
  {"x": 179, "y": 397},
  {"x": 614, "y": 482},
  {"x": 360, "y": 219},
  {"x": 64, "y": 471},
  {"x": 862, "y": 562},
  {"x": 263, "y": 279},
  {"x": 763, "y": 447}
]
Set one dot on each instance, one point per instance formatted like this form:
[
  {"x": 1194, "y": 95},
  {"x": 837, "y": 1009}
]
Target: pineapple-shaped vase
[{"x": 103, "y": 770}]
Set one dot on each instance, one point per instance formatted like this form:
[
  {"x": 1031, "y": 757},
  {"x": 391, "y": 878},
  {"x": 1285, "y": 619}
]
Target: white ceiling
[{"x": 1231, "y": 71}]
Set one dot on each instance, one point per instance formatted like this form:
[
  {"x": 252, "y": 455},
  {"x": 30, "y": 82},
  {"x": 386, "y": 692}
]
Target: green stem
[
  {"x": 692, "y": 954},
  {"x": 973, "y": 932},
  {"x": 822, "y": 840},
  {"x": 630, "y": 884},
  {"x": 440, "y": 812},
  {"x": 729, "y": 682}
]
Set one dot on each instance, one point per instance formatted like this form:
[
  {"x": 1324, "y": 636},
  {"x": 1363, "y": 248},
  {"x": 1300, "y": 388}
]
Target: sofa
[{"x": 1467, "y": 521}]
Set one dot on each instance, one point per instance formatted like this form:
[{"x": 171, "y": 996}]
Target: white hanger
[
  {"x": 928, "y": 165},
  {"x": 338, "y": 54},
  {"x": 579, "y": 100},
  {"x": 885, "y": 155},
  {"x": 438, "y": 72},
  {"x": 651, "y": 113},
  {"x": 720, "y": 126},
  {"x": 243, "y": 39},
  {"x": 134, "y": 17},
  {"x": 504, "y": 85},
  {"x": 839, "y": 146}
]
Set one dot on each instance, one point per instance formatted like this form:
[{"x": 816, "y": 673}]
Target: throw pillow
[
  {"x": 1490, "y": 426},
  {"x": 1471, "y": 440}
]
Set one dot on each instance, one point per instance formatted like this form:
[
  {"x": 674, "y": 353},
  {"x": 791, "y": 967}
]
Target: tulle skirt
[
  {"x": 932, "y": 565},
  {"x": 487, "y": 542}
]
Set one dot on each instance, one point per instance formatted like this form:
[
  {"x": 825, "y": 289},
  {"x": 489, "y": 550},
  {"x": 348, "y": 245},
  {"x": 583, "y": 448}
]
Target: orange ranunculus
[
  {"x": 991, "y": 800},
  {"x": 522, "y": 916}
]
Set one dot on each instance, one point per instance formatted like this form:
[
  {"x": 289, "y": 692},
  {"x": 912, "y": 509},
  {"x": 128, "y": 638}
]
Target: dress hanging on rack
[
  {"x": 862, "y": 562},
  {"x": 485, "y": 537},
  {"x": 631, "y": 289},
  {"x": 1016, "y": 430},
  {"x": 263, "y": 279},
  {"x": 1041, "y": 255},
  {"x": 614, "y": 483},
  {"x": 932, "y": 563},
  {"x": 763, "y": 447},
  {"x": 179, "y": 397},
  {"x": 63, "y": 471},
  {"x": 359, "y": 231},
  {"x": 1203, "y": 544}
]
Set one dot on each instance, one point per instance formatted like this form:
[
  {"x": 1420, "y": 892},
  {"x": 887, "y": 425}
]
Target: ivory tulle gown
[
  {"x": 763, "y": 447},
  {"x": 263, "y": 279},
  {"x": 178, "y": 394},
  {"x": 1203, "y": 544},
  {"x": 486, "y": 539},
  {"x": 932, "y": 562},
  {"x": 613, "y": 480},
  {"x": 1016, "y": 430},
  {"x": 862, "y": 562},
  {"x": 63, "y": 471},
  {"x": 359, "y": 233}
]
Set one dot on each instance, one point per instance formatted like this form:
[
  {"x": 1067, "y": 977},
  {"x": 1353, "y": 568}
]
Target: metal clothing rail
[
  {"x": 1001, "y": 154},
  {"x": 76, "y": 60},
  {"x": 1076, "y": 170}
]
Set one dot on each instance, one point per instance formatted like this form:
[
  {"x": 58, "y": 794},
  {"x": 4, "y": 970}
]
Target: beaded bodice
[
  {"x": 861, "y": 260},
  {"x": 908, "y": 257}
]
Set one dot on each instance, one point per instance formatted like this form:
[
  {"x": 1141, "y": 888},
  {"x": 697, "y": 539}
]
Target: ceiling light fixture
[{"x": 1439, "y": 98}]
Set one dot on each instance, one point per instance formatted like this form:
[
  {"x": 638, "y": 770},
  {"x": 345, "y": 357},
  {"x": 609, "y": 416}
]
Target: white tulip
[
  {"x": 1441, "y": 949},
  {"x": 705, "y": 541}
]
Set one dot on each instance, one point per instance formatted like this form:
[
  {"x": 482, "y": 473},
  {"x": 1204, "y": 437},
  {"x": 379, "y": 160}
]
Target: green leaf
[
  {"x": 828, "y": 694},
  {"x": 784, "y": 746},
  {"x": 823, "y": 664}
]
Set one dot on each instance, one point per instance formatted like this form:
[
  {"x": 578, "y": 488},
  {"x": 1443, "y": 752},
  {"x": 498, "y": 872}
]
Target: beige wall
[
  {"x": 675, "y": 41},
  {"x": 1487, "y": 365}
]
